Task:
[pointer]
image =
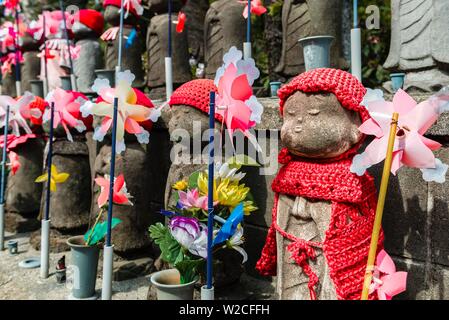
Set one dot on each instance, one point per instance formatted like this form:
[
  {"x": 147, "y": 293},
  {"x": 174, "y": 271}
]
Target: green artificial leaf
[
  {"x": 189, "y": 269},
  {"x": 171, "y": 250},
  {"x": 241, "y": 160},
  {"x": 100, "y": 231},
  {"x": 193, "y": 180}
]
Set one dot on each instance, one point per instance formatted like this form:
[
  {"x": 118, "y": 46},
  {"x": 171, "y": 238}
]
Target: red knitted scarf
[{"x": 348, "y": 236}]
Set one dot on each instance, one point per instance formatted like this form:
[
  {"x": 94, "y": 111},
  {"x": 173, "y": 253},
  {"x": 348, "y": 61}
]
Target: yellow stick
[{"x": 380, "y": 208}]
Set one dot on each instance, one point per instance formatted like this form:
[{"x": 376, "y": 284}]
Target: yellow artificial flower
[
  {"x": 181, "y": 185},
  {"x": 227, "y": 193},
  {"x": 55, "y": 177},
  {"x": 248, "y": 207}
]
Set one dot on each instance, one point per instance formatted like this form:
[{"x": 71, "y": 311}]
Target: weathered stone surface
[
  {"x": 438, "y": 216},
  {"x": 9, "y": 83},
  {"x": 124, "y": 270},
  {"x": 89, "y": 60},
  {"x": 157, "y": 39},
  {"x": 132, "y": 233},
  {"x": 302, "y": 19},
  {"x": 70, "y": 203},
  {"x": 195, "y": 11},
  {"x": 224, "y": 27},
  {"x": 416, "y": 47},
  {"x": 112, "y": 16},
  {"x": 23, "y": 195},
  {"x": 254, "y": 241},
  {"x": 405, "y": 216},
  {"x": 30, "y": 69},
  {"x": 161, "y": 6},
  {"x": 58, "y": 241},
  {"x": 17, "y": 223},
  {"x": 131, "y": 59}
]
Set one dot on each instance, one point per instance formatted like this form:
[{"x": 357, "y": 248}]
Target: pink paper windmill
[
  {"x": 120, "y": 194},
  {"x": 256, "y": 7},
  {"x": 411, "y": 148},
  {"x": 13, "y": 141},
  {"x": 386, "y": 281},
  {"x": 66, "y": 110},
  {"x": 235, "y": 101},
  {"x": 134, "y": 109},
  {"x": 53, "y": 21},
  {"x": 14, "y": 162},
  {"x": 19, "y": 111}
]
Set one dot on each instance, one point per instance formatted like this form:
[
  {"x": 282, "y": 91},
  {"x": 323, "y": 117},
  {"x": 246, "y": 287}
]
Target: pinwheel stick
[
  {"x": 207, "y": 292},
  {"x": 17, "y": 56},
  {"x": 247, "y": 54},
  {"x": 66, "y": 35},
  {"x": 168, "y": 58},
  {"x": 45, "y": 223},
  {"x": 380, "y": 208},
  {"x": 118, "y": 68},
  {"x": 3, "y": 182},
  {"x": 356, "y": 46},
  {"x": 106, "y": 292}
]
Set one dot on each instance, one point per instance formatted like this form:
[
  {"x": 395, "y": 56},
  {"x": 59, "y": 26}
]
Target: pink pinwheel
[
  {"x": 181, "y": 22},
  {"x": 256, "y": 7},
  {"x": 132, "y": 111},
  {"x": 13, "y": 141},
  {"x": 411, "y": 148},
  {"x": 19, "y": 111},
  {"x": 110, "y": 34},
  {"x": 386, "y": 281},
  {"x": 11, "y": 6},
  {"x": 235, "y": 102},
  {"x": 67, "y": 106},
  {"x": 192, "y": 200},
  {"x": 14, "y": 163},
  {"x": 134, "y": 6},
  {"x": 53, "y": 21},
  {"x": 120, "y": 194}
]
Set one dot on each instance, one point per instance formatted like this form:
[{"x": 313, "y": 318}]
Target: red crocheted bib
[{"x": 347, "y": 241}]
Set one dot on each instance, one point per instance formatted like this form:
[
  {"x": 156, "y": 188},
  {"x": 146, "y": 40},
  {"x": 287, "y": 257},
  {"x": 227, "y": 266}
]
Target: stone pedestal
[{"x": 22, "y": 194}]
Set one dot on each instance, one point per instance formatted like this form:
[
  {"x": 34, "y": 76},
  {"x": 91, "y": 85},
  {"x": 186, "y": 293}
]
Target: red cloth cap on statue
[
  {"x": 91, "y": 18},
  {"x": 347, "y": 88},
  {"x": 118, "y": 3},
  {"x": 196, "y": 94}
]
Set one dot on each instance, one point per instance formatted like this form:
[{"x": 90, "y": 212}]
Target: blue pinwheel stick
[
  {"x": 210, "y": 193},
  {"x": 112, "y": 172},
  {"x": 5, "y": 141}
]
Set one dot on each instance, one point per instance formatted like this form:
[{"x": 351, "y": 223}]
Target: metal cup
[{"x": 13, "y": 247}]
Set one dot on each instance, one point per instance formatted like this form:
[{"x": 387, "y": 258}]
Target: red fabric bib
[{"x": 348, "y": 236}]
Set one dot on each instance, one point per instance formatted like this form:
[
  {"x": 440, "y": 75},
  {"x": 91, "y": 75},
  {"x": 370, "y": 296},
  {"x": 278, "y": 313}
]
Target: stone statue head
[{"x": 321, "y": 111}]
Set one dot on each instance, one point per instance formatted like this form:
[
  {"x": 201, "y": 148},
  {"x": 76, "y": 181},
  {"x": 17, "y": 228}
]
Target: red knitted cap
[
  {"x": 195, "y": 93},
  {"x": 92, "y": 19},
  {"x": 347, "y": 88},
  {"x": 118, "y": 3}
]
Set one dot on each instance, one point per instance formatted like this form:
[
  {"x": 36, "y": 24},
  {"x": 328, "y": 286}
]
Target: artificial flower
[
  {"x": 55, "y": 177},
  {"x": 66, "y": 111},
  {"x": 120, "y": 193},
  {"x": 192, "y": 200},
  {"x": 180, "y": 185},
  {"x": 14, "y": 162},
  {"x": 190, "y": 234},
  {"x": 411, "y": 148},
  {"x": 235, "y": 243},
  {"x": 256, "y": 7},
  {"x": 224, "y": 171},
  {"x": 386, "y": 281}
]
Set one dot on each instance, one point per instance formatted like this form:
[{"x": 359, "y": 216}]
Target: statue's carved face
[
  {"x": 185, "y": 119},
  {"x": 317, "y": 126}
]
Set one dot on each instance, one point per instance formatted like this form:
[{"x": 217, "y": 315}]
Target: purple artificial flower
[{"x": 190, "y": 234}]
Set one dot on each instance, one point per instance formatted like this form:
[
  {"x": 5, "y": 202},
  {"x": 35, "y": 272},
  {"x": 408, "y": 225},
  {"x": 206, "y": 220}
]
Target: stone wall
[{"x": 416, "y": 216}]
